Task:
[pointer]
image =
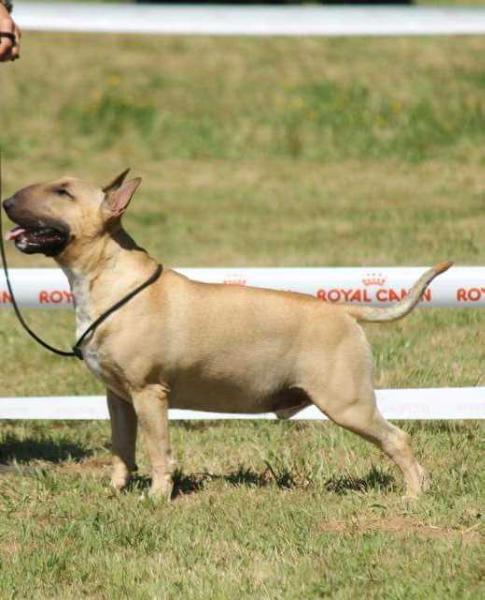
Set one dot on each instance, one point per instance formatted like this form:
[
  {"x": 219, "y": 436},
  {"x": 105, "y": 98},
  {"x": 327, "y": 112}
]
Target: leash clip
[{"x": 78, "y": 353}]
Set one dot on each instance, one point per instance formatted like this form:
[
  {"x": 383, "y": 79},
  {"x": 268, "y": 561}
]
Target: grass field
[{"x": 255, "y": 152}]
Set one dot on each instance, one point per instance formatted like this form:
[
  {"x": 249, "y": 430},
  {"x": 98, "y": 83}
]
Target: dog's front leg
[
  {"x": 123, "y": 439},
  {"x": 151, "y": 407}
]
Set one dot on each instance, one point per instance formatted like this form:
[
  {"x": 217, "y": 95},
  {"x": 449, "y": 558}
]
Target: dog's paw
[
  {"x": 417, "y": 487},
  {"x": 161, "y": 488},
  {"x": 119, "y": 481},
  {"x": 117, "y": 485}
]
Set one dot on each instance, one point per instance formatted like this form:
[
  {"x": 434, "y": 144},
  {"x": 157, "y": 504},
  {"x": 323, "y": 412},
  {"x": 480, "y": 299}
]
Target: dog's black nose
[{"x": 8, "y": 203}]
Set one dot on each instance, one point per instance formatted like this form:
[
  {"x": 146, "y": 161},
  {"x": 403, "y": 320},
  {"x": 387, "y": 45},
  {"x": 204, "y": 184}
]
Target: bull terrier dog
[{"x": 184, "y": 344}]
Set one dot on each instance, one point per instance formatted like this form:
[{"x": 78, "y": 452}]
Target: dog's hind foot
[{"x": 420, "y": 484}]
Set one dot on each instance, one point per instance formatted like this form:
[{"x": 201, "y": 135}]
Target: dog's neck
[{"x": 102, "y": 271}]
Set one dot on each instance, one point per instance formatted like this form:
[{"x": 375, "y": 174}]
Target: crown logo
[
  {"x": 234, "y": 280},
  {"x": 376, "y": 279}
]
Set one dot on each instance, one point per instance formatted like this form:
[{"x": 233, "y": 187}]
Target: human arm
[{"x": 9, "y": 41}]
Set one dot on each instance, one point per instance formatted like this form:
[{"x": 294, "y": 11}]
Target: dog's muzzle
[{"x": 33, "y": 236}]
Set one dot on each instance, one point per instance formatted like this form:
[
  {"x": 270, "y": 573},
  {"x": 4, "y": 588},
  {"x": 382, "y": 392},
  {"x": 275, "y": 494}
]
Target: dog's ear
[
  {"x": 116, "y": 201},
  {"x": 117, "y": 181}
]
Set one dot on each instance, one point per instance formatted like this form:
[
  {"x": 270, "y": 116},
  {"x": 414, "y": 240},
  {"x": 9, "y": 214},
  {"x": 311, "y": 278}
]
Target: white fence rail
[
  {"x": 460, "y": 287},
  {"x": 251, "y": 20},
  {"x": 427, "y": 403}
]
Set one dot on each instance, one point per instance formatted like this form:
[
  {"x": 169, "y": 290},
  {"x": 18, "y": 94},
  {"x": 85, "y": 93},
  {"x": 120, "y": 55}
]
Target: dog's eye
[{"x": 63, "y": 192}]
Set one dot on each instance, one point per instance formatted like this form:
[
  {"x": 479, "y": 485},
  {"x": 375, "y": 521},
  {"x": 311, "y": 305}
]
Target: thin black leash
[{"x": 76, "y": 349}]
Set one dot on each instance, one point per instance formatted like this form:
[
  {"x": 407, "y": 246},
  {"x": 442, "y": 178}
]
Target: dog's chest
[
  {"x": 83, "y": 314},
  {"x": 91, "y": 358},
  {"x": 84, "y": 318},
  {"x": 80, "y": 289}
]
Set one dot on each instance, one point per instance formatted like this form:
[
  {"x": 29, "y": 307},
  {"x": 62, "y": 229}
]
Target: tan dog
[{"x": 185, "y": 344}]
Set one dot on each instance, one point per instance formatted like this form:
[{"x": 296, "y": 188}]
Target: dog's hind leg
[
  {"x": 123, "y": 439},
  {"x": 361, "y": 415},
  {"x": 347, "y": 397}
]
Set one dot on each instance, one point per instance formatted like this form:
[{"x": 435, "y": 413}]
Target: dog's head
[{"x": 56, "y": 218}]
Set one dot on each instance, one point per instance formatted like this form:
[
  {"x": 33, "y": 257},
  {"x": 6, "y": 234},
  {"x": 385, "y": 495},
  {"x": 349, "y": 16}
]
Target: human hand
[{"x": 9, "y": 36}]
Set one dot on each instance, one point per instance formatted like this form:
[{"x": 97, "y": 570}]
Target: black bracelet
[{"x": 8, "y": 5}]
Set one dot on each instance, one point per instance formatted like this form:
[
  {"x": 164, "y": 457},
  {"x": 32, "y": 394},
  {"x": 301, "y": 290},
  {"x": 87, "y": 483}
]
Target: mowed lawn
[{"x": 258, "y": 152}]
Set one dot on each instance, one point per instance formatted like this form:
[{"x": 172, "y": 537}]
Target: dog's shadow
[
  {"x": 191, "y": 483},
  {"x": 374, "y": 480},
  {"x": 15, "y": 451}
]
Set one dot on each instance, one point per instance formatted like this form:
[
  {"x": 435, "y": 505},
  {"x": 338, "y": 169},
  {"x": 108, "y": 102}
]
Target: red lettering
[
  {"x": 55, "y": 297},
  {"x": 346, "y": 294},
  {"x": 474, "y": 294},
  {"x": 426, "y": 295},
  {"x": 355, "y": 296},
  {"x": 334, "y": 295},
  {"x": 381, "y": 295},
  {"x": 470, "y": 295}
]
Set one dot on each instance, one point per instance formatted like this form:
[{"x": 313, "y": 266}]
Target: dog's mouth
[{"x": 47, "y": 239}]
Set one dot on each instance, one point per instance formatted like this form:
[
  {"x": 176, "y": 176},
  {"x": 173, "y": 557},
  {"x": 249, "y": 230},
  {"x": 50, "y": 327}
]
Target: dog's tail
[{"x": 405, "y": 306}]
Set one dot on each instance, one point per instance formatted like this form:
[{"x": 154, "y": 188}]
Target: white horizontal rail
[
  {"x": 251, "y": 20},
  {"x": 405, "y": 404},
  {"x": 460, "y": 287}
]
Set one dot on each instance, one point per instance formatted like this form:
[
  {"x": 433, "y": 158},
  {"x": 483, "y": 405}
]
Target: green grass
[
  {"x": 276, "y": 510},
  {"x": 278, "y": 152},
  {"x": 199, "y": 99}
]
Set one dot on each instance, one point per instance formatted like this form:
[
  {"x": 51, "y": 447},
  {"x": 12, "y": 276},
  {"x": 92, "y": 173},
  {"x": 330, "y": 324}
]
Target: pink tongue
[{"x": 14, "y": 233}]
